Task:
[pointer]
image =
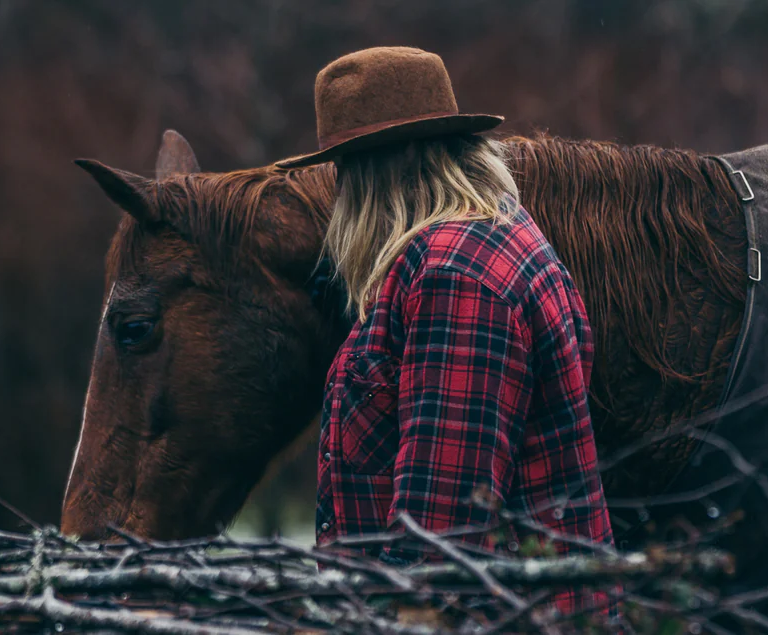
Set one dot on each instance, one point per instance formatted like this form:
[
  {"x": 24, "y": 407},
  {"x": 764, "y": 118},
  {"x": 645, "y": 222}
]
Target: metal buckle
[
  {"x": 751, "y": 196},
  {"x": 759, "y": 276}
]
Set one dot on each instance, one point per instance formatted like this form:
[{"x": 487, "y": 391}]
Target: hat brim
[{"x": 402, "y": 131}]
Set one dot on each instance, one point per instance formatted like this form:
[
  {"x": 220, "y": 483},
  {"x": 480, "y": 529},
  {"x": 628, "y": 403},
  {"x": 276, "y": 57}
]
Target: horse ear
[
  {"x": 132, "y": 192},
  {"x": 176, "y": 156}
]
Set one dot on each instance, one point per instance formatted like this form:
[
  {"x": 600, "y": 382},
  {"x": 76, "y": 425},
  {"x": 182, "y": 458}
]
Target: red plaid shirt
[{"x": 471, "y": 369}]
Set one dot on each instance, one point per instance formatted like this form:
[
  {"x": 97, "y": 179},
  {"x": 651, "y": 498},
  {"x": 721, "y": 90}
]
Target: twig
[
  {"x": 446, "y": 548},
  {"x": 46, "y": 605},
  {"x": 20, "y": 515}
]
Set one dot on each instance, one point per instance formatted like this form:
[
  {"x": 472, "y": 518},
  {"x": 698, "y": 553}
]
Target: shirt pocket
[{"x": 368, "y": 412}]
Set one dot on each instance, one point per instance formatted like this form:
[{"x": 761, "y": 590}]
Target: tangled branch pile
[{"x": 216, "y": 586}]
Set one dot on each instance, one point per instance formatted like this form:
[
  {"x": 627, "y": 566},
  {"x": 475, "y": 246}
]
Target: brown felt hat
[{"x": 383, "y": 95}]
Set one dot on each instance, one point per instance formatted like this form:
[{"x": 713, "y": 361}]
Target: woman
[{"x": 468, "y": 368}]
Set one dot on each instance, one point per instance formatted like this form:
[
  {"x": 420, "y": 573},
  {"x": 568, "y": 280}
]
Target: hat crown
[
  {"x": 379, "y": 86},
  {"x": 382, "y": 96}
]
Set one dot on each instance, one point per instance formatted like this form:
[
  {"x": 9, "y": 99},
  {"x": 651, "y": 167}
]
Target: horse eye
[{"x": 134, "y": 332}]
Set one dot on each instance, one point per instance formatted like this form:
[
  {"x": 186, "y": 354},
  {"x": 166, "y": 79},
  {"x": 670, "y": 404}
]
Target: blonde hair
[{"x": 386, "y": 196}]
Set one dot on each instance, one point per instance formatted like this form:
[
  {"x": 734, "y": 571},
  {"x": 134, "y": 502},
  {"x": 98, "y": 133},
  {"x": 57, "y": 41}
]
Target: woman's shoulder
[{"x": 499, "y": 253}]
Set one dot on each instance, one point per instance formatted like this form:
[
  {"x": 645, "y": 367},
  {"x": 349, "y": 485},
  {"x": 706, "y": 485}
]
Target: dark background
[{"x": 104, "y": 79}]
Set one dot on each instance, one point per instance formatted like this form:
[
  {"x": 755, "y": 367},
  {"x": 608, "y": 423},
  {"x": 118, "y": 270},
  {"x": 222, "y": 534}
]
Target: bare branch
[{"x": 48, "y": 606}]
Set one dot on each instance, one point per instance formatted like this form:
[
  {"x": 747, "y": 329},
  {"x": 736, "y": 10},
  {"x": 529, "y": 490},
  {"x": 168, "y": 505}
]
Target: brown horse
[{"x": 211, "y": 354}]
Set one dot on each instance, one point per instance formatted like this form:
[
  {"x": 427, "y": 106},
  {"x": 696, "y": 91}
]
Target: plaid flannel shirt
[{"x": 471, "y": 370}]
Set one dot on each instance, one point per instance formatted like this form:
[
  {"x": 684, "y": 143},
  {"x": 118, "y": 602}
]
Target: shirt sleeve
[{"x": 464, "y": 393}]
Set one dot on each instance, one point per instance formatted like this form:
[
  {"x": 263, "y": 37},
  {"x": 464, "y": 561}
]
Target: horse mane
[{"x": 634, "y": 221}]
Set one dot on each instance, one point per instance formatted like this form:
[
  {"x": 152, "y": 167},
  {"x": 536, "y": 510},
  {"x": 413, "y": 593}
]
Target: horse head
[{"x": 211, "y": 352}]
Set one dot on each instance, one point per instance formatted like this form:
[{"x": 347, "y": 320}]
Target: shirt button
[
  {"x": 330, "y": 385},
  {"x": 325, "y": 527},
  {"x": 327, "y": 456}
]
